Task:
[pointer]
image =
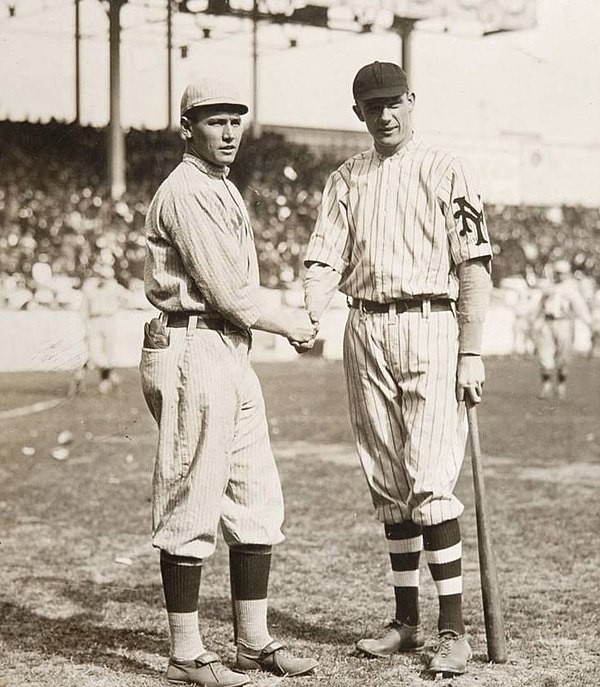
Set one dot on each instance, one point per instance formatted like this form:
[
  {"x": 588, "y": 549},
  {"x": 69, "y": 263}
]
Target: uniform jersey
[
  {"x": 563, "y": 300},
  {"x": 396, "y": 227},
  {"x": 200, "y": 247},
  {"x": 103, "y": 297}
]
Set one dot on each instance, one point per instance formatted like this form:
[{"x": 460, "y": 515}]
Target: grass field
[{"x": 80, "y": 595}]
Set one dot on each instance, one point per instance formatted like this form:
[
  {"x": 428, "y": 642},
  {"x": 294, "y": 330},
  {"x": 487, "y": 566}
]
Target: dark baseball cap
[{"x": 379, "y": 80}]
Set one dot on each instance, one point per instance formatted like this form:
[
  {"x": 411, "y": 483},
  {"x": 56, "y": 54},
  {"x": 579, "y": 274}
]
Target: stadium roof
[{"x": 483, "y": 16}]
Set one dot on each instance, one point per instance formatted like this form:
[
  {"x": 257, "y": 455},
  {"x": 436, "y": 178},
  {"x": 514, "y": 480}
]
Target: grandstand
[{"x": 55, "y": 208}]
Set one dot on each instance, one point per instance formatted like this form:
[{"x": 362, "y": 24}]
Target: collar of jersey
[
  {"x": 409, "y": 147},
  {"x": 206, "y": 166}
]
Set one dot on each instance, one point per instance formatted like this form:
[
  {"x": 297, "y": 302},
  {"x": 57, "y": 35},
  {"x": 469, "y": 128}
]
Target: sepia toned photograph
[{"x": 300, "y": 353}]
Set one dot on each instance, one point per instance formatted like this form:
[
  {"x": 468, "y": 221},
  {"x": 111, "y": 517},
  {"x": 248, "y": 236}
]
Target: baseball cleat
[
  {"x": 205, "y": 670},
  {"x": 274, "y": 659},
  {"x": 399, "y": 638},
  {"x": 450, "y": 654}
]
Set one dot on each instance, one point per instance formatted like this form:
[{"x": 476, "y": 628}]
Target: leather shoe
[
  {"x": 397, "y": 639},
  {"x": 274, "y": 659},
  {"x": 205, "y": 670},
  {"x": 450, "y": 654}
]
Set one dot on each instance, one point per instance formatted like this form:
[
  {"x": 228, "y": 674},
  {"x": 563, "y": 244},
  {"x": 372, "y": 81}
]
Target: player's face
[
  {"x": 388, "y": 120},
  {"x": 213, "y": 133}
]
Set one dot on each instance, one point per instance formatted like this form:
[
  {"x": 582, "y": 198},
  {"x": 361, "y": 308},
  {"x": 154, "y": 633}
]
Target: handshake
[{"x": 302, "y": 331}]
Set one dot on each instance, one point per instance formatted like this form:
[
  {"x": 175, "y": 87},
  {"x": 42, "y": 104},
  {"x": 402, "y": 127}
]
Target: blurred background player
[
  {"x": 595, "y": 343},
  {"x": 103, "y": 297},
  {"x": 561, "y": 303}
]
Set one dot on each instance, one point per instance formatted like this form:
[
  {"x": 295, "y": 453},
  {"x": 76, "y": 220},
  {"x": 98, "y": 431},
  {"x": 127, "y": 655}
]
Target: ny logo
[{"x": 467, "y": 212}]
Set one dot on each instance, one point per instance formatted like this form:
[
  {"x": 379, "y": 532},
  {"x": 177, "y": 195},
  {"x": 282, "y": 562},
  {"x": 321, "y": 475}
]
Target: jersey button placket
[{"x": 385, "y": 185}]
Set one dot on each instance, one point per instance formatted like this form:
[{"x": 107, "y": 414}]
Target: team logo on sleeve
[{"x": 467, "y": 213}]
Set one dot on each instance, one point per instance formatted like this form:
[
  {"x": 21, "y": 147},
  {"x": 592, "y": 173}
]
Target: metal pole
[
  {"x": 406, "y": 29},
  {"x": 255, "y": 122},
  {"x": 116, "y": 138},
  {"x": 77, "y": 62},
  {"x": 169, "y": 63}
]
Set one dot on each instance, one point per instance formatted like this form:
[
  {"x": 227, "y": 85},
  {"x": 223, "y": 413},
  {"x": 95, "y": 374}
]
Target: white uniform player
[
  {"x": 561, "y": 303},
  {"x": 401, "y": 232},
  {"x": 103, "y": 298}
]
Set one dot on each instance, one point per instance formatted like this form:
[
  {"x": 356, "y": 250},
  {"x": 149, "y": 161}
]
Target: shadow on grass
[
  {"x": 84, "y": 637},
  {"x": 78, "y": 638}
]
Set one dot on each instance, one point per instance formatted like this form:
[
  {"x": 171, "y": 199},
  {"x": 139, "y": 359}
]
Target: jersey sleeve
[
  {"x": 462, "y": 206},
  {"x": 329, "y": 242}
]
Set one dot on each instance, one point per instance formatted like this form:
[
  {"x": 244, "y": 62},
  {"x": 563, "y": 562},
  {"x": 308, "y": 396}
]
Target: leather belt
[
  {"x": 404, "y": 305},
  {"x": 203, "y": 321}
]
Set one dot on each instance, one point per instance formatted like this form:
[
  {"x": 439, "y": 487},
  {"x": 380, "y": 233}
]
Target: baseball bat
[{"x": 490, "y": 589}]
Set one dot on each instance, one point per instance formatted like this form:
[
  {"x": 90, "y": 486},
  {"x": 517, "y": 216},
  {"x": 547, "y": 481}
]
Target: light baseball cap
[{"x": 210, "y": 91}]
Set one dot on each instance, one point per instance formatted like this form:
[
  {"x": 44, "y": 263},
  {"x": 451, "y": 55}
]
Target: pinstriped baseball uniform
[
  {"x": 396, "y": 228},
  {"x": 214, "y": 462}
]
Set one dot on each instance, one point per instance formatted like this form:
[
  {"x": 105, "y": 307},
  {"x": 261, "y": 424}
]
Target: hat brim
[
  {"x": 242, "y": 107},
  {"x": 382, "y": 92}
]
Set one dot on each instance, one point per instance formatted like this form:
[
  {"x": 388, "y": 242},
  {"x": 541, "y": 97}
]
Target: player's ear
[
  {"x": 185, "y": 128},
  {"x": 358, "y": 112},
  {"x": 411, "y": 97}
]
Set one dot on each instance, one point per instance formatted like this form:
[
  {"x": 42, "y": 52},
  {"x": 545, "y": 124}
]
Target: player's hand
[
  {"x": 470, "y": 377},
  {"x": 302, "y": 330},
  {"x": 305, "y": 347}
]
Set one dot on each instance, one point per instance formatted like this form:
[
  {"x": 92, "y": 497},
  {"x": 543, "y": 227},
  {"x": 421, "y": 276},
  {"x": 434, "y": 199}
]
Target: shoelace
[{"x": 445, "y": 645}]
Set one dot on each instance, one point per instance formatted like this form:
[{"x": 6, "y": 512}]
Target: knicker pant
[
  {"x": 409, "y": 429},
  {"x": 214, "y": 462},
  {"x": 555, "y": 345}
]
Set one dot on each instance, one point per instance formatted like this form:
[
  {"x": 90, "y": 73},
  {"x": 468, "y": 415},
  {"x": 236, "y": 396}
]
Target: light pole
[
  {"x": 405, "y": 29},
  {"x": 77, "y": 62},
  {"x": 255, "y": 128},
  {"x": 169, "y": 63},
  {"x": 116, "y": 137}
]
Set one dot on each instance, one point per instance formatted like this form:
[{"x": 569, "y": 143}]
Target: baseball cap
[
  {"x": 208, "y": 91},
  {"x": 379, "y": 80}
]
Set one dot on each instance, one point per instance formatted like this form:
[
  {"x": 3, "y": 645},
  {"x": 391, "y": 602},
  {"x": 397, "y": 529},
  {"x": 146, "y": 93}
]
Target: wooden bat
[{"x": 490, "y": 590}]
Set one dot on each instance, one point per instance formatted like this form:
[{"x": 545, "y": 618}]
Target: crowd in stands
[{"x": 57, "y": 219}]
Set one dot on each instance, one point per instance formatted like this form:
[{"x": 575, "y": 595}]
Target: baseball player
[
  {"x": 401, "y": 232},
  {"x": 103, "y": 297},
  {"x": 560, "y": 304},
  {"x": 595, "y": 315},
  {"x": 214, "y": 465}
]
